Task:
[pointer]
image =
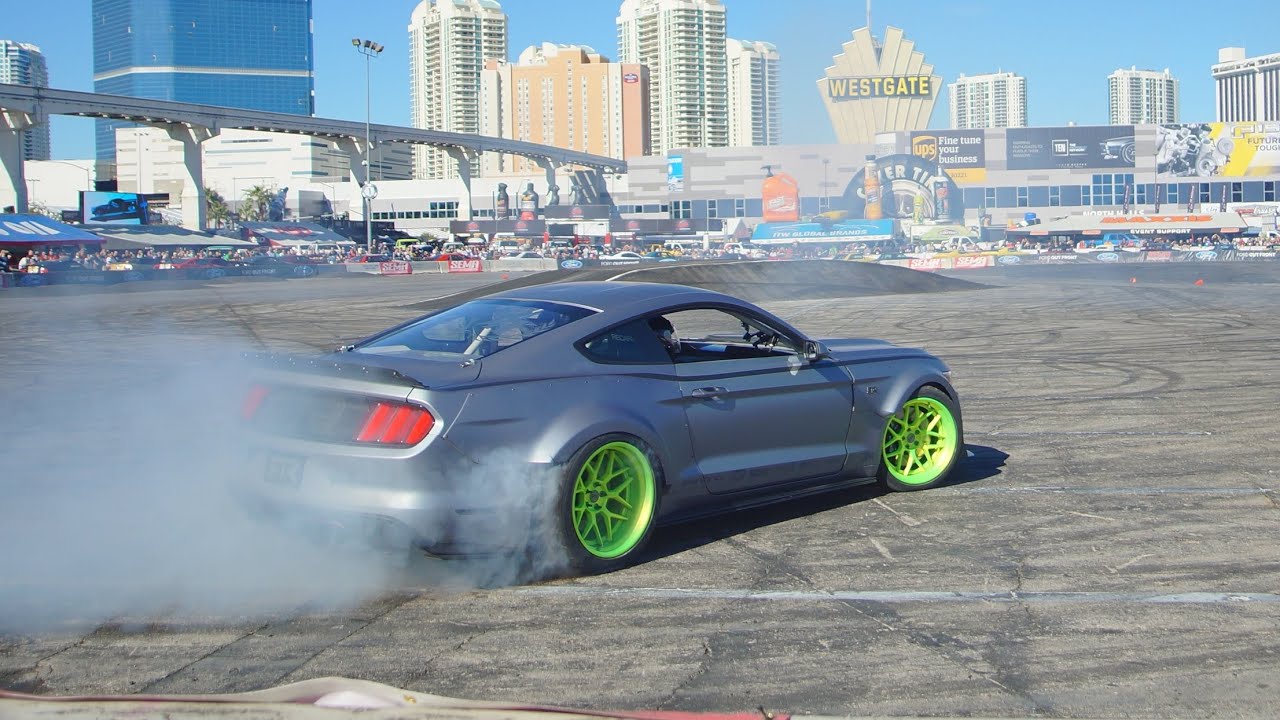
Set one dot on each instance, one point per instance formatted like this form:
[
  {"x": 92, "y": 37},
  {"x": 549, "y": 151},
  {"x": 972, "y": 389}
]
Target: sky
[{"x": 1064, "y": 49}]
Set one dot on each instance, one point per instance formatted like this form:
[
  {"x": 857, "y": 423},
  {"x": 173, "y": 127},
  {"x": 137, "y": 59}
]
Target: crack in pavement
[{"x": 951, "y": 649}]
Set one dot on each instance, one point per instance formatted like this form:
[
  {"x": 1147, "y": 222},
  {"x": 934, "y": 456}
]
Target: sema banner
[
  {"x": 962, "y": 153},
  {"x": 1066, "y": 148},
  {"x": 1203, "y": 150}
]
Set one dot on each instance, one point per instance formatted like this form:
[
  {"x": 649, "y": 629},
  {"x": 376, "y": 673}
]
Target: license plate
[{"x": 283, "y": 471}]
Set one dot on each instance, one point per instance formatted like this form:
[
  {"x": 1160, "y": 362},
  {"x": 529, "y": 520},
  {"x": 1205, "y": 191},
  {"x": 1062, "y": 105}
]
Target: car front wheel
[
  {"x": 607, "y": 503},
  {"x": 922, "y": 442}
]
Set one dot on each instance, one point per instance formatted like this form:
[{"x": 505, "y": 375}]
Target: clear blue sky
[{"x": 1064, "y": 49}]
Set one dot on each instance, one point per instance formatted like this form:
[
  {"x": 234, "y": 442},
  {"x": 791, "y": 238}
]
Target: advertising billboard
[
  {"x": 962, "y": 153},
  {"x": 1204, "y": 150},
  {"x": 822, "y": 232},
  {"x": 878, "y": 85},
  {"x": 675, "y": 173},
  {"x": 114, "y": 208},
  {"x": 1066, "y": 148},
  {"x": 780, "y": 195},
  {"x": 903, "y": 187}
]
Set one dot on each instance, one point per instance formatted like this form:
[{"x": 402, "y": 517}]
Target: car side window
[
  {"x": 707, "y": 334},
  {"x": 634, "y": 342}
]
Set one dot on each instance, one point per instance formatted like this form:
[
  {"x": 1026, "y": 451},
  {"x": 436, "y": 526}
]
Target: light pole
[
  {"x": 369, "y": 49},
  {"x": 826, "y": 186}
]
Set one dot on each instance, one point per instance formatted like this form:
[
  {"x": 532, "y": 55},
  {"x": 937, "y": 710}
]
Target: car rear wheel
[
  {"x": 607, "y": 504},
  {"x": 921, "y": 442}
]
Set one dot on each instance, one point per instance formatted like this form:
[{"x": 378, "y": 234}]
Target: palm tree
[
  {"x": 216, "y": 210},
  {"x": 257, "y": 201}
]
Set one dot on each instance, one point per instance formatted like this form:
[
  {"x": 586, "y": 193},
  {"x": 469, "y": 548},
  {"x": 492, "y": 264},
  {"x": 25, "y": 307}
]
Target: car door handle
[{"x": 709, "y": 392}]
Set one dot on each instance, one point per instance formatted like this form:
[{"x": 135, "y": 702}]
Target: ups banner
[{"x": 962, "y": 153}]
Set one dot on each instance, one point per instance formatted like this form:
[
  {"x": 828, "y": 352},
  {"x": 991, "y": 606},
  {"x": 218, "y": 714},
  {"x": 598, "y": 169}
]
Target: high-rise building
[
  {"x": 682, "y": 42},
  {"x": 1143, "y": 97},
  {"x": 234, "y": 53},
  {"x": 450, "y": 41},
  {"x": 753, "y": 93},
  {"x": 568, "y": 96},
  {"x": 1248, "y": 88},
  {"x": 994, "y": 100},
  {"x": 23, "y": 64}
]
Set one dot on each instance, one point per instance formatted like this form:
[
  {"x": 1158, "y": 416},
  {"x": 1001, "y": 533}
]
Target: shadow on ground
[{"x": 983, "y": 463}]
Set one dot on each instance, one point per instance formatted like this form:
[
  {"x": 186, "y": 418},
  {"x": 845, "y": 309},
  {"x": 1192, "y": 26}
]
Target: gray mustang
[{"x": 579, "y": 416}]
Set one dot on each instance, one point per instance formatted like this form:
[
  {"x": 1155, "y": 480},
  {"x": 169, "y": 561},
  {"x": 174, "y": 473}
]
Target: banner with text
[
  {"x": 1067, "y": 148},
  {"x": 962, "y": 153},
  {"x": 1205, "y": 150}
]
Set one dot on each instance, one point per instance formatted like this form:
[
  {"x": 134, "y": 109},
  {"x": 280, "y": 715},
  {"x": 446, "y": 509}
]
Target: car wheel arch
[
  {"x": 562, "y": 439},
  {"x": 905, "y": 386}
]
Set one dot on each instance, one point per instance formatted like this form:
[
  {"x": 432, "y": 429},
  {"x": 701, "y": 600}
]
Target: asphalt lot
[{"x": 1108, "y": 551}]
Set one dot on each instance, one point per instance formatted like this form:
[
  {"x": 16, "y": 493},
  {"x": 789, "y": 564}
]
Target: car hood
[{"x": 869, "y": 349}]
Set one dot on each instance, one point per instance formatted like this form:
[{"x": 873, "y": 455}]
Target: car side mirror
[{"x": 815, "y": 351}]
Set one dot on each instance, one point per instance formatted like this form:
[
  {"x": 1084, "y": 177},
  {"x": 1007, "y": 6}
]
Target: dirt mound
[{"x": 753, "y": 280}]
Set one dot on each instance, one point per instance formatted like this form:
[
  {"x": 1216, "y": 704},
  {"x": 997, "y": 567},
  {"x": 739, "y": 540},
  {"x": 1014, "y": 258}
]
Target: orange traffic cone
[
  {"x": 1133, "y": 281},
  {"x": 1200, "y": 282},
  {"x": 505, "y": 276}
]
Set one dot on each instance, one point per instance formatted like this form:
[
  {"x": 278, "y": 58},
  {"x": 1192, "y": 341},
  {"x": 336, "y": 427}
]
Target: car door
[{"x": 759, "y": 414}]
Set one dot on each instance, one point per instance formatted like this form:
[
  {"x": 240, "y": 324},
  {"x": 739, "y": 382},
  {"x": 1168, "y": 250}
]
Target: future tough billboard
[
  {"x": 1204, "y": 150},
  {"x": 874, "y": 87}
]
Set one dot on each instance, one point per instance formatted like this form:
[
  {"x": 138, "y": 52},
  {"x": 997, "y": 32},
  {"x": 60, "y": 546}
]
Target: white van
[{"x": 325, "y": 248}]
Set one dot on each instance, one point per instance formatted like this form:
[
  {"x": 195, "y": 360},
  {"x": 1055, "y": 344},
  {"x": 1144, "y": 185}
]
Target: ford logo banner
[
  {"x": 1108, "y": 257},
  {"x": 1008, "y": 259},
  {"x": 571, "y": 264},
  {"x": 1206, "y": 255}
]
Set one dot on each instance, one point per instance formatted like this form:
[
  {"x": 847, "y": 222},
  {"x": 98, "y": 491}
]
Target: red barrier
[
  {"x": 927, "y": 264},
  {"x": 465, "y": 266},
  {"x": 395, "y": 267},
  {"x": 971, "y": 262}
]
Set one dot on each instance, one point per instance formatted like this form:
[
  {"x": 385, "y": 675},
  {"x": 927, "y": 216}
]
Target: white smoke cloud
[{"x": 115, "y": 502}]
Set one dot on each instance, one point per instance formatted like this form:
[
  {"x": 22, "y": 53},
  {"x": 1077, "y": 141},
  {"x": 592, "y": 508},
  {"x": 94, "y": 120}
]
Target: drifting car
[
  {"x": 276, "y": 266},
  {"x": 574, "y": 418},
  {"x": 205, "y": 267}
]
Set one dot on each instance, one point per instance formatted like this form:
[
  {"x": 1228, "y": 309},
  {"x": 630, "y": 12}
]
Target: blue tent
[{"x": 40, "y": 230}]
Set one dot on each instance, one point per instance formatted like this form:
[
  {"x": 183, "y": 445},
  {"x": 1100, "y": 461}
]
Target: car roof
[{"x": 612, "y": 297}]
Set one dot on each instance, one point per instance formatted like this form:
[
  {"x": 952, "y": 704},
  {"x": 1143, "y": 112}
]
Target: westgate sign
[{"x": 860, "y": 88}]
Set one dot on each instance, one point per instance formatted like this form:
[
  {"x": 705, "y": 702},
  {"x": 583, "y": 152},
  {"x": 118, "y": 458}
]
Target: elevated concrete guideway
[{"x": 22, "y": 107}]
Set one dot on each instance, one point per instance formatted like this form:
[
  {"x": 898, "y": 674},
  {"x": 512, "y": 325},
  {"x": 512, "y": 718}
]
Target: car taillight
[
  {"x": 390, "y": 423},
  {"x": 253, "y": 401}
]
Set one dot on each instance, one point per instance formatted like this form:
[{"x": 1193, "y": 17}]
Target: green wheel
[
  {"x": 609, "y": 501},
  {"x": 922, "y": 441}
]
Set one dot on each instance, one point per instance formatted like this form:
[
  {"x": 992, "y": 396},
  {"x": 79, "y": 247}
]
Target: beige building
[
  {"x": 567, "y": 96},
  {"x": 1142, "y": 97},
  {"x": 753, "y": 93},
  {"x": 990, "y": 100},
  {"x": 682, "y": 42},
  {"x": 449, "y": 43}
]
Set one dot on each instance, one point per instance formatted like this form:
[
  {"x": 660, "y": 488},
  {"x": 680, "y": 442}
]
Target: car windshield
[{"x": 475, "y": 329}]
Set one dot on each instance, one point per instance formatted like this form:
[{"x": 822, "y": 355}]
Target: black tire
[
  {"x": 901, "y": 440},
  {"x": 575, "y": 557}
]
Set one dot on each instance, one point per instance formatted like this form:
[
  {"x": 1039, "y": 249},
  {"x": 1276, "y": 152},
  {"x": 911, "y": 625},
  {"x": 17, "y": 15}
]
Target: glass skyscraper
[{"x": 252, "y": 54}]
